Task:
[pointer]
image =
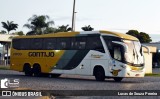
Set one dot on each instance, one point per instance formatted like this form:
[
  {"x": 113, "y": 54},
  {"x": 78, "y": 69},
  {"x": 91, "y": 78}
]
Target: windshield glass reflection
[{"x": 134, "y": 52}]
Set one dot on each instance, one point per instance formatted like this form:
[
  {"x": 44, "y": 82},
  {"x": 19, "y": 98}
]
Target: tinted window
[
  {"x": 24, "y": 43},
  {"x": 94, "y": 43},
  {"x": 108, "y": 41},
  {"x": 70, "y": 43},
  {"x": 63, "y": 43},
  {"x": 36, "y": 43},
  {"x": 117, "y": 53},
  {"x": 49, "y": 43},
  {"x": 116, "y": 50},
  {"x": 78, "y": 43},
  {"x": 16, "y": 43},
  {"x": 21, "y": 43}
]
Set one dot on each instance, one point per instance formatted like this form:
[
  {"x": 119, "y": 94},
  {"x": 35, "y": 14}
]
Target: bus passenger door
[{"x": 84, "y": 67}]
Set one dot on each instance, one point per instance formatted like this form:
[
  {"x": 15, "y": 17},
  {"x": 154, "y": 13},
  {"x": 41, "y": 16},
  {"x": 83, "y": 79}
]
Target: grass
[
  {"x": 153, "y": 75},
  {"x": 4, "y": 67}
]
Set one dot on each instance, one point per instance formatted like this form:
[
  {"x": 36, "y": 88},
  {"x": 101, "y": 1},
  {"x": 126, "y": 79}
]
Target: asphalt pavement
[{"x": 76, "y": 82}]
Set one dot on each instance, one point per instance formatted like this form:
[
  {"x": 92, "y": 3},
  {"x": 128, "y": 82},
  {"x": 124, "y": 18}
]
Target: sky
[{"x": 113, "y": 15}]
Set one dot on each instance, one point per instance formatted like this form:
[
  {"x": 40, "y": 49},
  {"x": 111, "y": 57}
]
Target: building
[
  {"x": 156, "y": 56},
  {"x": 155, "y": 44},
  {"x": 149, "y": 58},
  {"x": 5, "y": 41}
]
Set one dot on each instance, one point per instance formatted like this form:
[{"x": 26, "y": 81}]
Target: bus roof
[
  {"x": 71, "y": 34},
  {"x": 121, "y": 35}
]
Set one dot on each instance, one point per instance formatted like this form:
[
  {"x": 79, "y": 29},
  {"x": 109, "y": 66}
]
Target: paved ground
[
  {"x": 156, "y": 70},
  {"x": 75, "y": 82}
]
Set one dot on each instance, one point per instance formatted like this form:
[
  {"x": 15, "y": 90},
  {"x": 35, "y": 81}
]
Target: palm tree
[
  {"x": 87, "y": 28},
  {"x": 64, "y": 28},
  {"x": 38, "y": 24},
  {"x": 9, "y": 26}
]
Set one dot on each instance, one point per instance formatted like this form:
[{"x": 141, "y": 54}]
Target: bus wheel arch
[
  {"x": 27, "y": 69},
  {"x": 99, "y": 73},
  {"x": 36, "y": 70}
]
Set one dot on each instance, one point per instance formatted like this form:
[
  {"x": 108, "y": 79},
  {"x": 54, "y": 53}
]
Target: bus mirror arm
[
  {"x": 124, "y": 45},
  {"x": 148, "y": 50}
]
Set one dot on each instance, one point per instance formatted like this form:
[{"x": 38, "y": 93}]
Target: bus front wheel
[
  {"x": 27, "y": 70},
  {"x": 99, "y": 74},
  {"x": 117, "y": 79}
]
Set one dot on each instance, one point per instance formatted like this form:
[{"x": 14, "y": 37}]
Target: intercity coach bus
[{"x": 103, "y": 54}]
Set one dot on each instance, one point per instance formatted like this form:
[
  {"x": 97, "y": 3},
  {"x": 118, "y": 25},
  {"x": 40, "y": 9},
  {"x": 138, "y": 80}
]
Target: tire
[
  {"x": 117, "y": 79},
  {"x": 55, "y": 75},
  {"x": 37, "y": 70},
  {"x": 27, "y": 70},
  {"x": 100, "y": 74}
]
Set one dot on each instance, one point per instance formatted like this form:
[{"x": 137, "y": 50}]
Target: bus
[{"x": 103, "y": 54}]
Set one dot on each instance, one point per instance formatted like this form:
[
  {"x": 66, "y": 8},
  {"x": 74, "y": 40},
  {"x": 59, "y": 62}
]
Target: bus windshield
[
  {"x": 134, "y": 52},
  {"x": 131, "y": 55}
]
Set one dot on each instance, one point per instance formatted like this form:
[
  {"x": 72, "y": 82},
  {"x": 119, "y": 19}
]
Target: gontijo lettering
[{"x": 41, "y": 54}]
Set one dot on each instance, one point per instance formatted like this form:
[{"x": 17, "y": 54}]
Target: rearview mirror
[
  {"x": 124, "y": 45},
  {"x": 146, "y": 48}
]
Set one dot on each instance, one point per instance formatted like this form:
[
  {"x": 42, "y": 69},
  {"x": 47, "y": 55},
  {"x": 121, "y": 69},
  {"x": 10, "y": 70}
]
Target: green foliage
[
  {"x": 4, "y": 67},
  {"x": 49, "y": 30},
  {"x": 63, "y": 28},
  {"x": 31, "y": 33},
  {"x": 87, "y": 28},
  {"x": 143, "y": 37},
  {"x": 153, "y": 75},
  {"x": 3, "y": 32},
  {"x": 38, "y": 24},
  {"x": 9, "y": 26},
  {"x": 19, "y": 33}
]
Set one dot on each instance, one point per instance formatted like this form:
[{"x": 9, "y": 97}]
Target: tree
[
  {"x": 38, "y": 24},
  {"x": 3, "y": 32},
  {"x": 63, "y": 28},
  {"x": 49, "y": 30},
  {"x": 19, "y": 33},
  {"x": 87, "y": 28},
  {"x": 134, "y": 33},
  {"x": 143, "y": 37},
  {"x": 9, "y": 26}
]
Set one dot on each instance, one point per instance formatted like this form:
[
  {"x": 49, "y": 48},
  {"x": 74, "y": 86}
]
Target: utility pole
[
  {"x": 74, "y": 26},
  {"x": 73, "y": 16}
]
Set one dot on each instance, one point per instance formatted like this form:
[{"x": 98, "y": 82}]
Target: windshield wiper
[{"x": 134, "y": 54}]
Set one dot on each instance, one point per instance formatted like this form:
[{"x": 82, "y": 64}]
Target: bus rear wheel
[
  {"x": 117, "y": 79},
  {"x": 27, "y": 70},
  {"x": 99, "y": 74},
  {"x": 36, "y": 70}
]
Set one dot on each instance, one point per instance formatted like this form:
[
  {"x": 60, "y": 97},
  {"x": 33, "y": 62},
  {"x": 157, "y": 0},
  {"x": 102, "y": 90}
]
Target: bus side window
[
  {"x": 16, "y": 43},
  {"x": 49, "y": 43},
  {"x": 117, "y": 53},
  {"x": 36, "y": 44},
  {"x": 78, "y": 43},
  {"x": 110, "y": 45},
  {"x": 94, "y": 43},
  {"x": 24, "y": 44},
  {"x": 63, "y": 43}
]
